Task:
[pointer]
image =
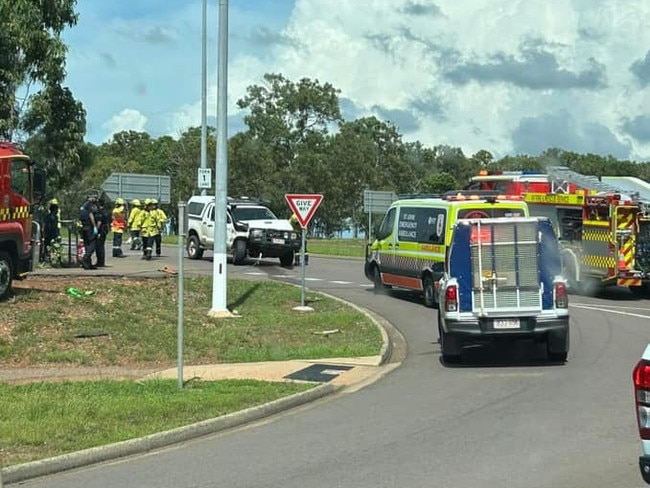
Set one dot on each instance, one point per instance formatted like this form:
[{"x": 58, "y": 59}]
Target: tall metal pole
[
  {"x": 181, "y": 302},
  {"x": 219, "y": 272},
  {"x": 204, "y": 91}
]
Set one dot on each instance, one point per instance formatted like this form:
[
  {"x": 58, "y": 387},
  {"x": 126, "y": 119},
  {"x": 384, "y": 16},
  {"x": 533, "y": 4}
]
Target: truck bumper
[
  {"x": 483, "y": 329},
  {"x": 644, "y": 466},
  {"x": 273, "y": 250}
]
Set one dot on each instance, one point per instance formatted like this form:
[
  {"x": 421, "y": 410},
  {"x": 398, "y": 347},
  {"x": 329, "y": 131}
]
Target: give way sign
[{"x": 303, "y": 206}]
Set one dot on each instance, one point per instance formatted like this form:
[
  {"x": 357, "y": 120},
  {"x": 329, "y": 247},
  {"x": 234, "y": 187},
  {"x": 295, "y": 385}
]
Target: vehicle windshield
[
  {"x": 20, "y": 179},
  {"x": 252, "y": 213},
  {"x": 492, "y": 212}
]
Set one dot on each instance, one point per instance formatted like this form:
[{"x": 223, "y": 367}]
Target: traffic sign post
[
  {"x": 303, "y": 207},
  {"x": 205, "y": 178}
]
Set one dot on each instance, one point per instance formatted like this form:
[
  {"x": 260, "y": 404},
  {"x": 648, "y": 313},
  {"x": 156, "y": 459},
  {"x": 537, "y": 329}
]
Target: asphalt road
[{"x": 505, "y": 418}]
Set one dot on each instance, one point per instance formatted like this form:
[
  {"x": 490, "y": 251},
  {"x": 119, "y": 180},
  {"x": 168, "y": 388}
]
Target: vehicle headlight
[
  {"x": 257, "y": 233},
  {"x": 294, "y": 235},
  {"x": 285, "y": 235}
]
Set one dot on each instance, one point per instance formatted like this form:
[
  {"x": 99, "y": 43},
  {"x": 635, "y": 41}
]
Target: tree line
[{"x": 295, "y": 141}]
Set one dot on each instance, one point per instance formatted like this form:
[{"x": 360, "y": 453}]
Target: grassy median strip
[
  {"x": 42, "y": 420},
  {"x": 131, "y": 323},
  {"x": 128, "y": 321}
]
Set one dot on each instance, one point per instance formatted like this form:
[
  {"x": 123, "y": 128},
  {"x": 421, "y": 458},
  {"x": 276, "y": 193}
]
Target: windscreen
[
  {"x": 491, "y": 212},
  {"x": 252, "y": 213}
]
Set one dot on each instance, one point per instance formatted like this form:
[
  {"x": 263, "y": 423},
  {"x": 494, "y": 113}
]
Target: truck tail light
[
  {"x": 561, "y": 296},
  {"x": 641, "y": 377},
  {"x": 451, "y": 298}
]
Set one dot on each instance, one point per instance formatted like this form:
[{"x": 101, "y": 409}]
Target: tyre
[
  {"x": 194, "y": 250},
  {"x": 380, "y": 288},
  {"x": 450, "y": 346},
  {"x": 6, "y": 275},
  {"x": 429, "y": 292},
  {"x": 640, "y": 291},
  {"x": 557, "y": 346},
  {"x": 239, "y": 252},
  {"x": 286, "y": 260}
]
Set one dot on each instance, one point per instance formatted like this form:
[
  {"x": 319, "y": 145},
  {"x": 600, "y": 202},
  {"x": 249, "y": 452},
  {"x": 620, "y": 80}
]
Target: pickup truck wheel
[
  {"x": 429, "y": 292},
  {"x": 6, "y": 275},
  {"x": 239, "y": 252},
  {"x": 450, "y": 345},
  {"x": 557, "y": 346},
  {"x": 286, "y": 260},
  {"x": 194, "y": 250}
]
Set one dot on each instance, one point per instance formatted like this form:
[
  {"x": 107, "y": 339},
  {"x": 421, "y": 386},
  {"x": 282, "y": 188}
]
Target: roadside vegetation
[{"x": 131, "y": 324}]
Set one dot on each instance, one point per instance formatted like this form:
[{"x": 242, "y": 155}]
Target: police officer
[
  {"x": 89, "y": 230},
  {"x": 102, "y": 220},
  {"x": 118, "y": 226}
]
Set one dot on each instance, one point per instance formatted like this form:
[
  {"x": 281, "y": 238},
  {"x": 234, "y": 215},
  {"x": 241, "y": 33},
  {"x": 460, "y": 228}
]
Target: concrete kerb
[
  {"x": 23, "y": 472},
  {"x": 26, "y": 471}
]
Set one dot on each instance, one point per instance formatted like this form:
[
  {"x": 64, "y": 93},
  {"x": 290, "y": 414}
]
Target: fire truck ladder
[{"x": 562, "y": 175}]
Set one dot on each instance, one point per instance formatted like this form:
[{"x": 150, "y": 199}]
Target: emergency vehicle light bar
[{"x": 488, "y": 195}]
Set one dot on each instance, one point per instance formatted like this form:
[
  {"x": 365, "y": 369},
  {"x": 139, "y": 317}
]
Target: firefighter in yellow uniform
[
  {"x": 132, "y": 223},
  {"x": 148, "y": 225},
  {"x": 161, "y": 217},
  {"x": 118, "y": 226}
]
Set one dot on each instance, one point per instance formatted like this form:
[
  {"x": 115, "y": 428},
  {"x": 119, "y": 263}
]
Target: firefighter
[
  {"x": 118, "y": 225},
  {"x": 295, "y": 223},
  {"x": 102, "y": 220},
  {"x": 148, "y": 225},
  {"x": 51, "y": 229},
  {"x": 89, "y": 230},
  {"x": 161, "y": 218},
  {"x": 132, "y": 223}
]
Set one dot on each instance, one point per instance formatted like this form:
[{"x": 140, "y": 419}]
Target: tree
[
  {"x": 440, "y": 183},
  {"x": 31, "y": 51}
]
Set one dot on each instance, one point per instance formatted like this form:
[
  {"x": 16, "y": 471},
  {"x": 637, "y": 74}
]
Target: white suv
[{"x": 252, "y": 230}]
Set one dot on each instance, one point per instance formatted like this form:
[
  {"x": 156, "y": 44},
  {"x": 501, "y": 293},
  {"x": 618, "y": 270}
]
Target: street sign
[
  {"x": 205, "y": 178},
  {"x": 377, "y": 201},
  {"x": 131, "y": 185},
  {"x": 303, "y": 206}
]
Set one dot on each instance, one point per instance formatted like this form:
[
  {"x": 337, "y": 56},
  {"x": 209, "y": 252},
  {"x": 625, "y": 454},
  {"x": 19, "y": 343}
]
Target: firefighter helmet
[{"x": 119, "y": 201}]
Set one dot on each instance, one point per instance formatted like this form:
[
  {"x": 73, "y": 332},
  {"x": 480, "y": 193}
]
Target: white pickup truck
[
  {"x": 252, "y": 231},
  {"x": 641, "y": 379}
]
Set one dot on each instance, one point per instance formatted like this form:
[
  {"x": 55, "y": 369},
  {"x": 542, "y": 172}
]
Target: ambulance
[{"x": 412, "y": 242}]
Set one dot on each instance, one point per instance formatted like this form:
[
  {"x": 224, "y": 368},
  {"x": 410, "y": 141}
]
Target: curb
[{"x": 24, "y": 472}]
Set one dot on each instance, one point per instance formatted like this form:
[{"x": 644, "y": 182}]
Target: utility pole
[
  {"x": 204, "y": 91},
  {"x": 219, "y": 272}
]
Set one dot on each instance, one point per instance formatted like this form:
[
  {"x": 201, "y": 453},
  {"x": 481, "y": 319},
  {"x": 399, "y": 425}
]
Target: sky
[{"x": 508, "y": 76}]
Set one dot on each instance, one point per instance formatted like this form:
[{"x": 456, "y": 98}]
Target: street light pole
[
  {"x": 204, "y": 90},
  {"x": 219, "y": 272}
]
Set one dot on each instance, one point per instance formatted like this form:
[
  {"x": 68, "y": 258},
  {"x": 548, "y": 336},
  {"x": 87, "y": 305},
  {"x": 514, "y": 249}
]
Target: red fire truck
[
  {"x": 604, "y": 232},
  {"x": 21, "y": 188}
]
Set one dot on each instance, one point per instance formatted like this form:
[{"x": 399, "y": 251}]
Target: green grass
[
  {"x": 337, "y": 247},
  {"x": 135, "y": 322},
  {"x": 42, "y": 420}
]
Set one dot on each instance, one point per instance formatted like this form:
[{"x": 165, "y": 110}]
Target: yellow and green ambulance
[{"x": 411, "y": 243}]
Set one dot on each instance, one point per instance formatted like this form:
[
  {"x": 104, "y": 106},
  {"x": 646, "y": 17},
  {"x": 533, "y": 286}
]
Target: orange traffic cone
[{"x": 621, "y": 260}]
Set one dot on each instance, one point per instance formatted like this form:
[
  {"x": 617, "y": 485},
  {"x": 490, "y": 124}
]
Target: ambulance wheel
[
  {"x": 194, "y": 250},
  {"x": 450, "y": 346},
  {"x": 6, "y": 275},
  {"x": 429, "y": 292},
  {"x": 379, "y": 285}
]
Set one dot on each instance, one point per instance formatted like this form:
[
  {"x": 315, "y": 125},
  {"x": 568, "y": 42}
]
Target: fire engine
[
  {"x": 21, "y": 188},
  {"x": 604, "y": 232}
]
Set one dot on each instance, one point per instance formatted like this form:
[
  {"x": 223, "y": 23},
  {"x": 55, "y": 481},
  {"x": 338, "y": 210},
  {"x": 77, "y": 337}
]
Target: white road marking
[
  {"x": 618, "y": 312},
  {"x": 341, "y": 282},
  {"x": 252, "y": 273},
  {"x": 586, "y": 305},
  {"x": 313, "y": 279}
]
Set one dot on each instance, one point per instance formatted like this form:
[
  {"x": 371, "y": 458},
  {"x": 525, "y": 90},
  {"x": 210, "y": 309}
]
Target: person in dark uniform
[
  {"x": 103, "y": 222},
  {"x": 89, "y": 230}
]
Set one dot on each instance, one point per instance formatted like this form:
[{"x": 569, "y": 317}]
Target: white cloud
[
  {"x": 469, "y": 73},
  {"x": 127, "y": 119}
]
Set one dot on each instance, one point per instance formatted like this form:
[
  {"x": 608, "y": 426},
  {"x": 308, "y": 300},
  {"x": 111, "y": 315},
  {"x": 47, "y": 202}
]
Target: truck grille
[{"x": 504, "y": 267}]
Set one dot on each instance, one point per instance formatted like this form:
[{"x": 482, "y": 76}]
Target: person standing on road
[
  {"x": 89, "y": 230},
  {"x": 132, "y": 223},
  {"x": 148, "y": 225},
  {"x": 51, "y": 232},
  {"x": 102, "y": 219},
  {"x": 118, "y": 225},
  {"x": 295, "y": 223},
  {"x": 161, "y": 218}
]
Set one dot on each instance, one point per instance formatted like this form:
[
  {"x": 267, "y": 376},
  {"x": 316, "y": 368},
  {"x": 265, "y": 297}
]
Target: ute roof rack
[
  {"x": 412, "y": 196},
  {"x": 244, "y": 200}
]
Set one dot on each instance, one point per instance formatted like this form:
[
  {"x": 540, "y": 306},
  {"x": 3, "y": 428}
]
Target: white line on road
[
  {"x": 586, "y": 305},
  {"x": 598, "y": 309},
  {"x": 341, "y": 282}
]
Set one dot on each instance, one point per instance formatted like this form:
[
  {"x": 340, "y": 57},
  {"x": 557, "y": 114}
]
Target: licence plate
[
  {"x": 506, "y": 323},
  {"x": 277, "y": 241}
]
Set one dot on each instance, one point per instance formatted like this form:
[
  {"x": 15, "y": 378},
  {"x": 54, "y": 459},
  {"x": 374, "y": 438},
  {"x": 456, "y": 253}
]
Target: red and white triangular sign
[{"x": 303, "y": 206}]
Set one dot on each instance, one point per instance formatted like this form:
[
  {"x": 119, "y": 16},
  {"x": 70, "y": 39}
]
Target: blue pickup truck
[{"x": 503, "y": 280}]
